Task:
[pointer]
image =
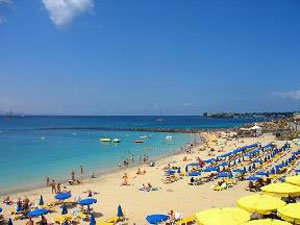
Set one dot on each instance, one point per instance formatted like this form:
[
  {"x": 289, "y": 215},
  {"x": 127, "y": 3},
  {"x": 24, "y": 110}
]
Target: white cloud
[
  {"x": 5, "y": 2},
  {"x": 62, "y": 12},
  {"x": 295, "y": 95}
]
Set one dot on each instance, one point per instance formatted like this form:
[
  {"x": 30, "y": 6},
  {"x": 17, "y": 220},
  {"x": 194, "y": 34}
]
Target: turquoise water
[{"x": 30, "y": 150}]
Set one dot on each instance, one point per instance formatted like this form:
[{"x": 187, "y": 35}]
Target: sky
[{"x": 149, "y": 57}]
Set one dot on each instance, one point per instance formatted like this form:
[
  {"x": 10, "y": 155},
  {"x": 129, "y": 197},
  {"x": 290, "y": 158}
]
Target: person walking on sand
[
  {"x": 81, "y": 169},
  {"x": 53, "y": 187}
]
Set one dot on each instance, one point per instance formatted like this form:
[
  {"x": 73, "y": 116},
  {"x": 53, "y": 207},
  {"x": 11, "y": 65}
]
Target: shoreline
[
  {"x": 86, "y": 178},
  {"x": 178, "y": 196}
]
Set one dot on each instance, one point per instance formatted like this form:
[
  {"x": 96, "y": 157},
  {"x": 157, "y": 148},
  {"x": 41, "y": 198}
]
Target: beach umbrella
[
  {"x": 238, "y": 170},
  {"x": 273, "y": 171},
  {"x": 63, "y": 196},
  {"x": 253, "y": 178},
  {"x": 290, "y": 213},
  {"x": 222, "y": 216},
  {"x": 260, "y": 203},
  {"x": 170, "y": 171},
  {"x": 282, "y": 189},
  {"x": 194, "y": 174},
  {"x": 267, "y": 222},
  {"x": 64, "y": 210},
  {"x": 209, "y": 160},
  {"x": 120, "y": 212},
  {"x": 9, "y": 222},
  {"x": 262, "y": 173},
  {"x": 211, "y": 169},
  {"x": 41, "y": 202},
  {"x": 157, "y": 218},
  {"x": 224, "y": 174},
  {"x": 293, "y": 180},
  {"x": 87, "y": 201},
  {"x": 37, "y": 212},
  {"x": 92, "y": 220}
]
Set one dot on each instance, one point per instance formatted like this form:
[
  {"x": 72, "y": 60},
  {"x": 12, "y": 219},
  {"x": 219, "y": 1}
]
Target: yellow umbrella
[
  {"x": 267, "y": 222},
  {"x": 222, "y": 216},
  {"x": 282, "y": 189},
  {"x": 290, "y": 213},
  {"x": 260, "y": 203},
  {"x": 293, "y": 180}
]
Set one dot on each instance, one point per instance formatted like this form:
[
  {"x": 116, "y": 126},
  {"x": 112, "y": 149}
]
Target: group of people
[
  {"x": 126, "y": 162},
  {"x": 258, "y": 184},
  {"x": 147, "y": 187},
  {"x": 140, "y": 172},
  {"x": 56, "y": 188}
]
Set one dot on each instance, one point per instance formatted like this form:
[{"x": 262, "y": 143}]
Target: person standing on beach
[
  {"x": 53, "y": 187},
  {"x": 58, "y": 189},
  {"x": 72, "y": 175},
  {"x": 48, "y": 181},
  {"x": 81, "y": 169}
]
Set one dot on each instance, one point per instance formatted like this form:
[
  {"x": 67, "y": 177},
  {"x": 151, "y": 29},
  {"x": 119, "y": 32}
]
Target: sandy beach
[{"x": 178, "y": 196}]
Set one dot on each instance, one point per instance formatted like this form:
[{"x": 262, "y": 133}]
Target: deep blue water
[{"x": 30, "y": 152}]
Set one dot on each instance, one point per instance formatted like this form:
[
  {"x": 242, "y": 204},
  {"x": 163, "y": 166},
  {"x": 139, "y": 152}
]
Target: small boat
[
  {"x": 144, "y": 136},
  {"x": 139, "y": 141},
  {"x": 169, "y": 137},
  {"x": 105, "y": 139},
  {"x": 116, "y": 140}
]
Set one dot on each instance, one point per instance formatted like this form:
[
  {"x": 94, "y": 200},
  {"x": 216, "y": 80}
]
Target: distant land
[
  {"x": 251, "y": 115},
  {"x": 206, "y": 114}
]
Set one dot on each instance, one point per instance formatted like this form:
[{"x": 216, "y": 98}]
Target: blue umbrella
[
  {"x": 157, "y": 218},
  {"x": 238, "y": 171},
  {"x": 209, "y": 160},
  {"x": 194, "y": 174},
  {"x": 262, "y": 173},
  {"x": 253, "y": 178},
  {"x": 87, "y": 201},
  {"x": 92, "y": 220},
  {"x": 170, "y": 171},
  {"x": 9, "y": 222},
  {"x": 63, "y": 196},
  {"x": 210, "y": 169},
  {"x": 120, "y": 212},
  {"x": 64, "y": 210},
  {"x": 0, "y": 210},
  {"x": 37, "y": 212},
  {"x": 41, "y": 200},
  {"x": 224, "y": 174}
]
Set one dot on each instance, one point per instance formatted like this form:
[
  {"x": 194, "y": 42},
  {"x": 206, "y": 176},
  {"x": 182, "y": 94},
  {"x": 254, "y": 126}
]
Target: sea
[{"x": 35, "y": 147}]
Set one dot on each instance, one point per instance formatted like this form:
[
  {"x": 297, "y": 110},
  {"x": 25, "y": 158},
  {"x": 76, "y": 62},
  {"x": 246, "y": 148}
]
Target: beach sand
[{"x": 178, "y": 196}]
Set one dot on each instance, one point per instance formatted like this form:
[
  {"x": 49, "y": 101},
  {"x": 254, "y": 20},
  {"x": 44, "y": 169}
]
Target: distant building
[{"x": 295, "y": 126}]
